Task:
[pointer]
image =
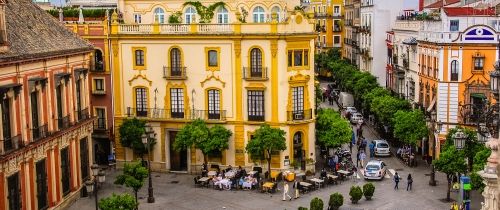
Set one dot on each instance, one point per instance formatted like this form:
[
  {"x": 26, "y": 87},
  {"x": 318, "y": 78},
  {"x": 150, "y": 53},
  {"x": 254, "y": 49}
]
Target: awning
[
  {"x": 478, "y": 95},
  {"x": 431, "y": 106},
  {"x": 410, "y": 41}
]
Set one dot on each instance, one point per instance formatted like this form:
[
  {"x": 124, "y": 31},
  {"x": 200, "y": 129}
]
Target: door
[
  {"x": 14, "y": 191},
  {"x": 41, "y": 185},
  {"x": 65, "y": 175},
  {"x": 178, "y": 159}
]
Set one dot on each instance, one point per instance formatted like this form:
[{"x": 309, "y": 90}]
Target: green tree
[
  {"x": 265, "y": 141},
  {"x": 316, "y": 204},
  {"x": 471, "y": 147},
  {"x": 451, "y": 161},
  {"x": 409, "y": 126},
  {"x": 364, "y": 84},
  {"x": 208, "y": 140},
  {"x": 480, "y": 160},
  {"x": 118, "y": 202},
  {"x": 372, "y": 94},
  {"x": 384, "y": 108},
  {"x": 131, "y": 131},
  {"x": 133, "y": 176},
  {"x": 331, "y": 129},
  {"x": 206, "y": 13}
]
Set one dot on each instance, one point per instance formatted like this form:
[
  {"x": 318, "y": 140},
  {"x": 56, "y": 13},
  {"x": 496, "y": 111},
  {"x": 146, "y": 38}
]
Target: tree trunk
[
  {"x": 205, "y": 159},
  {"x": 448, "y": 177},
  {"x": 136, "y": 202},
  {"x": 269, "y": 164}
]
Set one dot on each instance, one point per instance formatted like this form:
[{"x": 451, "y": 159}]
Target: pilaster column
[{"x": 490, "y": 177}]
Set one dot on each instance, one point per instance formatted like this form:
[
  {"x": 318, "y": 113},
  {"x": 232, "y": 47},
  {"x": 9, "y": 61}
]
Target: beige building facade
[{"x": 252, "y": 63}]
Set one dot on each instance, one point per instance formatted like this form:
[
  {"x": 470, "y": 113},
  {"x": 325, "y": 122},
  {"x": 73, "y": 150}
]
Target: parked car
[
  {"x": 356, "y": 118},
  {"x": 375, "y": 169},
  {"x": 382, "y": 148},
  {"x": 350, "y": 110}
]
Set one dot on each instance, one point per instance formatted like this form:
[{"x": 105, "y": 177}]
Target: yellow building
[
  {"x": 328, "y": 16},
  {"x": 252, "y": 63}
]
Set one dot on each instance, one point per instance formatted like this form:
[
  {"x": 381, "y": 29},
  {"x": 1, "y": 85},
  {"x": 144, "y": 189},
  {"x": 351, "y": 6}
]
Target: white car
[
  {"x": 357, "y": 118},
  {"x": 375, "y": 169},
  {"x": 381, "y": 148},
  {"x": 350, "y": 109}
]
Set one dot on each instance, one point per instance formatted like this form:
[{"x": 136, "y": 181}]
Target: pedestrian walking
[
  {"x": 454, "y": 206},
  {"x": 362, "y": 156},
  {"x": 358, "y": 158},
  {"x": 285, "y": 192},
  {"x": 396, "y": 181},
  {"x": 409, "y": 181},
  {"x": 296, "y": 186},
  {"x": 372, "y": 149},
  {"x": 335, "y": 162}
]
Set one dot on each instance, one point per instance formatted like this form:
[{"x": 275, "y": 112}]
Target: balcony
[
  {"x": 174, "y": 73},
  {"x": 299, "y": 115},
  {"x": 82, "y": 114},
  {"x": 170, "y": 114},
  {"x": 337, "y": 15},
  {"x": 99, "y": 92},
  {"x": 63, "y": 122},
  {"x": 98, "y": 67},
  {"x": 255, "y": 73},
  {"x": 100, "y": 124},
  {"x": 337, "y": 29},
  {"x": 11, "y": 144},
  {"x": 321, "y": 15},
  {"x": 39, "y": 132},
  {"x": 365, "y": 29}
]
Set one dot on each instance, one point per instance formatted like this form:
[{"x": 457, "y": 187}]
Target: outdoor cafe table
[
  {"x": 203, "y": 179},
  {"x": 306, "y": 185},
  {"x": 268, "y": 186},
  {"x": 333, "y": 177},
  {"x": 317, "y": 181},
  {"x": 343, "y": 173},
  {"x": 212, "y": 173},
  {"x": 229, "y": 174}
]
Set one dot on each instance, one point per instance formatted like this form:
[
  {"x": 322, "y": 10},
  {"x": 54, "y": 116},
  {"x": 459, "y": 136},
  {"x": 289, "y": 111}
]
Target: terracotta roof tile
[
  {"x": 33, "y": 33},
  {"x": 468, "y": 11}
]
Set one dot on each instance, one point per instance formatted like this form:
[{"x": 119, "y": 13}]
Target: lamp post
[
  {"x": 435, "y": 130},
  {"x": 146, "y": 140},
  {"x": 92, "y": 185}
]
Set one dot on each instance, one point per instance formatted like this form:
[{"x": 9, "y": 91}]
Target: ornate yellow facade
[
  {"x": 329, "y": 16},
  {"x": 252, "y": 63}
]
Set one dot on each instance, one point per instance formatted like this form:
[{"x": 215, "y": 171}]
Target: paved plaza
[{"x": 177, "y": 192}]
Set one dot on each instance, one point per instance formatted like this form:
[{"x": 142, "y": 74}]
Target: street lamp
[
  {"x": 459, "y": 139},
  {"x": 92, "y": 185},
  {"x": 146, "y": 140},
  {"x": 436, "y": 131}
]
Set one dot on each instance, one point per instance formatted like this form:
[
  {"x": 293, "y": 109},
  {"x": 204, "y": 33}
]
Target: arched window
[
  {"x": 222, "y": 16},
  {"x": 277, "y": 10},
  {"x": 175, "y": 62},
  {"x": 159, "y": 15},
  {"x": 139, "y": 58},
  {"x": 297, "y": 147},
  {"x": 189, "y": 15},
  {"x": 258, "y": 15},
  {"x": 255, "y": 63},
  {"x": 454, "y": 71}
]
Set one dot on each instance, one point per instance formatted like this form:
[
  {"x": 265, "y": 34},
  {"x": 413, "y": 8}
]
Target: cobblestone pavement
[{"x": 177, "y": 192}]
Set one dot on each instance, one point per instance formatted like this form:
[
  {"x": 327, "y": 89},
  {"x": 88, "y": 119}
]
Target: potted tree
[
  {"x": 316, "y": 204},
  {"x": 336, "y": 201},
  {"x": 368, "y": 190},
  {"x": 356, "y": 193}
]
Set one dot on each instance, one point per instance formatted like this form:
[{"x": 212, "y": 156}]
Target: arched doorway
[
  {"x": 298, "y": 152},
  {"x": 98, "y": 60}
]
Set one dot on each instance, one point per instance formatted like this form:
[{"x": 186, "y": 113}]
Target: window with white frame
[
  {"x": 159, "y": 15},
  {"x": 277, "y": 10},
  {"x": 222, "y": 16},
  {"x": 258, "y": 15},
  {"x": 137, "y": 18},
  {"x": 177, "y": 102},
  {"x": 190, "y": 15}
]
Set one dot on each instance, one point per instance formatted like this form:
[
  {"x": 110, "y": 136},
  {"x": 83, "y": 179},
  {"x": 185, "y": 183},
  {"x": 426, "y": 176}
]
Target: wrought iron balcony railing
[
  {"x": 174, "y": 73},
  {"x": 11, "y": 144},
  {"x": 299, "y": 115},
  {"x": 177, "y": 114},
  {"x": 255, "y": 73},
  {"x": 39, "y": 132}
]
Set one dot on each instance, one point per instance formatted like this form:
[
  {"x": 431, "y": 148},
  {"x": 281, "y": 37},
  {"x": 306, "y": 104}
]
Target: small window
[
  {"x": 212, "y": 58},
  {"x": 454, "y": 25},
  {"x": 336, "y": 10},
  {"x": 258, "y": 15},
  {"x": 137, "y": 18},
  {"x": 298, "y": 57},
  {"x": 159, "y": 15},
  {"x": 99, "y": 84},
  {"x": 336, "y": 39},
  {"x": 454, "y": 71},
  {"x": 139, "y": 58},
  {"x": 478, "y": 63},
  {"x": 190, "y": 15}
]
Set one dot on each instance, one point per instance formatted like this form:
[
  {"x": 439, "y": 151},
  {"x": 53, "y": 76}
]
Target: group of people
[
  {"x": 237, "y": 177},
  {"x": 406, "y": 154},
  {"x": 330, "y": 95}
]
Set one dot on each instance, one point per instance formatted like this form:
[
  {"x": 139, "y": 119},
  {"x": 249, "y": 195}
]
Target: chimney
[
  {"x": 4, "y": 45},
  {"x": 420, "y": 5}
]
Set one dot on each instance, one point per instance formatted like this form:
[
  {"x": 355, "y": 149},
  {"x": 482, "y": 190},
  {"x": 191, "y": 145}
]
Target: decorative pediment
[
  {"x": 299, "y": 78},
  {"x": 213, "y": 77},
  {"x": 140, "y": 76}
]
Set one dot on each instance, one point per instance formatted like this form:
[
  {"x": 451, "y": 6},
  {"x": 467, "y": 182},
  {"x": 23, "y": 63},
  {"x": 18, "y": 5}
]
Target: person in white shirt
[
  {"x": 285, "y": 192},
  {"x": 362, "y": 156}
]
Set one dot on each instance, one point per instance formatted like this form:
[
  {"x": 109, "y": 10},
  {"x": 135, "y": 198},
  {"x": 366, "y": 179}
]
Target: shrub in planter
[
  {"x": 336, "y": 201},
  {"x": 302, "y": 208},
  {"x": 356, "y": 194},
  {"x": 368, "y": 190},
  {"x": 316, "y": 204}
]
